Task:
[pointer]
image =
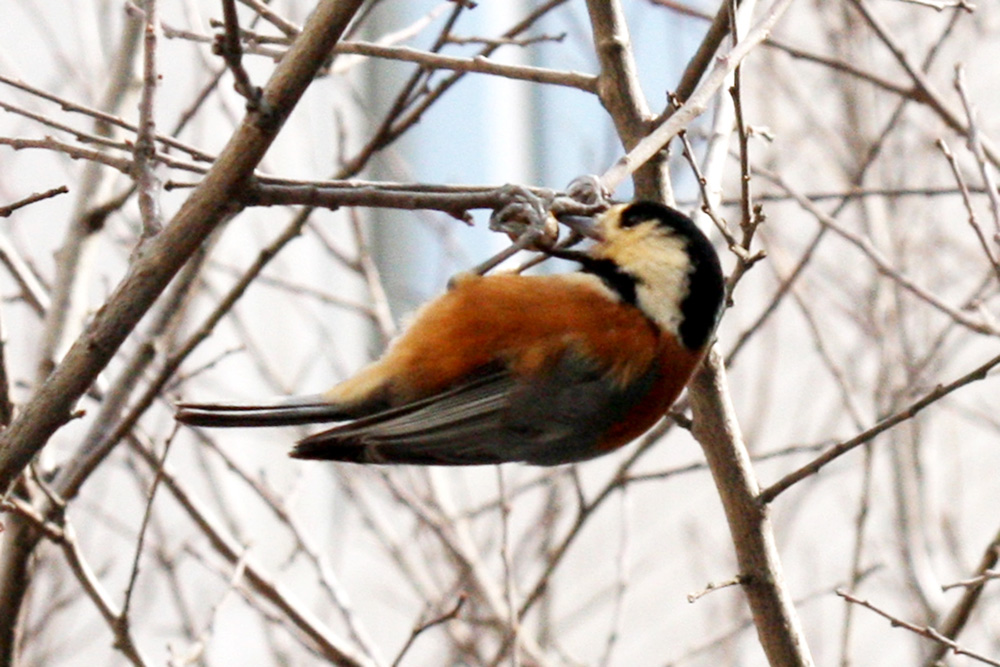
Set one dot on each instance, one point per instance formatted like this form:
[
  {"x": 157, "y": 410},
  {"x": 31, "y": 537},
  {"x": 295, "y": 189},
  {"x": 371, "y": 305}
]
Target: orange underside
[{"x": 530, "y": 322}]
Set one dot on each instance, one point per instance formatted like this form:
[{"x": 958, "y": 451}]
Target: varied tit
[{"x": 541, "y": 369}]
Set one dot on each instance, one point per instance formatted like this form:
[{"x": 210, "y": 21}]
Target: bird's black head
[{"x": 657, "y": 258}]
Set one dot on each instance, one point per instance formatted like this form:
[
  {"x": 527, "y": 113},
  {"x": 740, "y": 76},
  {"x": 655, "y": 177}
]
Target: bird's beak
[{"x": 585, "y": 226}]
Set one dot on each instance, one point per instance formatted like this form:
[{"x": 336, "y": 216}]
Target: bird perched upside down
[{"x": 541, "y": 369}]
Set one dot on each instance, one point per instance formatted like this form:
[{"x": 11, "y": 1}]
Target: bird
[{"x": 539, "y": 369}]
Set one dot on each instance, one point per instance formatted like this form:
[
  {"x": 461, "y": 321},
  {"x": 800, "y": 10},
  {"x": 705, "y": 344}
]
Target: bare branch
[
  {"x": 7, "y": 211},
  {"x": 980, "y": 373},
  {"x": 925, "y": 91},
  {"x": 976, "y": 146},
  {"x": 694, "y": 105},
  {"x": 330, "y": 646},
  {"x": 955, "y": 621},
  {"x": 967, "y": 200},
  {"x": 51, "y": 406},
  {"x": 148, "y": 185},
  {"x": 925, "y": 631},
  {"x": 427, "y": 625},
  {"x": 64, "y": 535},
  {"x": 481, "y": 64},
  {"x": 760, "y": 572},
  {"x": 880, "y": 262},
  {"x": 621, "y": 95}
]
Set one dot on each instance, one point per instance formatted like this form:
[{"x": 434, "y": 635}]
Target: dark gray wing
[{"x": 495, "y": 418}]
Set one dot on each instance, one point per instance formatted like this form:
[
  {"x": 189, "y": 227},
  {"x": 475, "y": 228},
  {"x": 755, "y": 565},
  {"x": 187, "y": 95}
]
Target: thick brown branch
[{"x": 760, "y": 572}]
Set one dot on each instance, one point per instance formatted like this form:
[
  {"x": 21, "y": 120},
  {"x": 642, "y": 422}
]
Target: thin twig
[
  {"x": 415, "y": 97},
  {"x": 975, "y": 137},
  {"x": 980, "y": 373},
  {"x": 305, "y": 542},
  {"x": 923, "y": 631},
  {"x": 941, "y": 5},
  {"x": 967, "y": 200},
  {"x": 696, "y": 104},
  {"x": 480, "y": 64},
  {"x": 102, "y": 117},
  {"x": 424, "y": 627},
  {"x": 956, "y": 619},
  {"x": 880, "y": 262},
  {"x": 621, "y": 584},
  {"x": 373, "y": 279},
  {"x": 812, "y": 247},
  {"x": 34, "y": 293},
  {"x": 974, "y": 582},
  {"x": 707, "y": 206},
  {"x": 52, "y": 404},
  {"x": 7, "y": 211},
  {"x": 227, "y": 45},
  {"x": 63, "y": 535},
  {"x": 924, "y": 90},
  {"x": 513, "y": 623},
  {"x": 294, "y": 612},
  {"x": 147, "y": 513},
  {"x": 713, "y": 586}
]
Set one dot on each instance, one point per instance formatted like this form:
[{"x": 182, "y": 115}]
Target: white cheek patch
[
  {"x": 662, "y": 269},
  {"x": 662, "y": 301}
]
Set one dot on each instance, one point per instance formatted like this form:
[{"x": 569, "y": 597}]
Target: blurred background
[{"x": 880, "y": 284}]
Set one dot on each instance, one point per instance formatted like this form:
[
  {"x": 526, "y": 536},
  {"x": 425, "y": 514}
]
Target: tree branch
[
  {"x": 163, "y": 255},
  {"x": 760, "y": 574}
]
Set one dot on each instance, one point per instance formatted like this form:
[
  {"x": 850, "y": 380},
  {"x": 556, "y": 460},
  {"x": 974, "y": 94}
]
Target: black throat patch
[
  {"x": 701, "y": 307},
  {"x": 621, "y": 283}
]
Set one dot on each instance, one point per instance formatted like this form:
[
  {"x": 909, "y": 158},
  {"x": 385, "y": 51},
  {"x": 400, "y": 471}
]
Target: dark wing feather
[
  {"x": 563, "y": 417},
  {"x": 495, "y": 418},
  {"x": 446, "y": 429}
]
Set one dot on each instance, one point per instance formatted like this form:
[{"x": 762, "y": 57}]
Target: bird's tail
[{"x": 289, "y": 411}]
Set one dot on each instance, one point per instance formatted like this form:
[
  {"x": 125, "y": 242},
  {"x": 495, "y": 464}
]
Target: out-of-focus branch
[
  {"x": 293, "y": 611},
  {"x": 975, "y": 142},
  {"x": 8, "y": 210},
  {"x": 64, "y": 306},
  {"x": 956, "y": 620},
  {"x": 63, "y": 535},
  {"x": 880, "y": 262},
  {"x": 924, "y": 90},
  {"x": 101, "y": 118},
  {"x": 980, "y": 373},
  {"x": 872, "y": 153},
  {"x": 31, "y": 288},
  {"x": 984, "y": 243},
  {"x": 163, "y": 255},
  {"x": 930, "y": 633},
  {"x": 147, "y": 184}
]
